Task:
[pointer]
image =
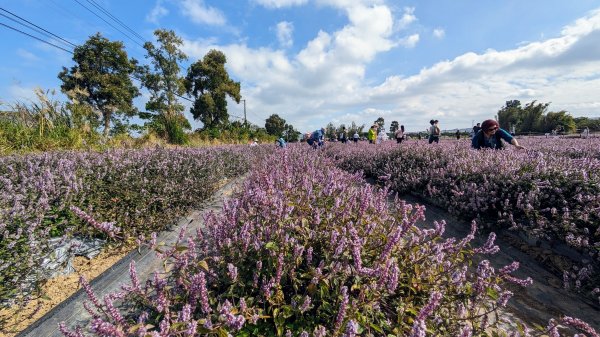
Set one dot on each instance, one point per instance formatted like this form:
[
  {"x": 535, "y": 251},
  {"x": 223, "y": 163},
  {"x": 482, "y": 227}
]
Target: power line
[
  {"x": 108, "y": 23},
  {"x": 66, "y": 50},
  {"x": 106, "y": 12},
  {"x": 43, "y": 31},
  {"x": 37, "y": 38},
  {"x": 71, "y": 52}
]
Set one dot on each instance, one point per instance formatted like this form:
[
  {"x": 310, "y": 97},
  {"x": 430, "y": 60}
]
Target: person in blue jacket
[
  {"x": 316, "y": 139},
  {"x": 281, "y": 143},
  {"x": 491, "y": 135}
]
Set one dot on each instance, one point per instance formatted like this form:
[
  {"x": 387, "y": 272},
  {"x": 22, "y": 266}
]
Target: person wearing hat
[{"x": 491, "y": 135}]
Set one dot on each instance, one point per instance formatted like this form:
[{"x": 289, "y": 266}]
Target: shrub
[
  {"x": 140, "y": 191},
  {"x": 308, "y": 249}
]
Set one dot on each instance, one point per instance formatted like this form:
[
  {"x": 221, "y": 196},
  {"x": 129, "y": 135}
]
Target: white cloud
[
  {"x": 198, "y": 12},
  {"x": 325, "y": 80},
  {"x": 407, "y": 18},
  {"x": 157, "y": 12},
  {"x": 476, "y": 85},
  {"x": 284, "y": 33},
  {"x": 280, "y": 3},
  {"x": 439, "y": 33},
  {"x": 410, "y": 41}
]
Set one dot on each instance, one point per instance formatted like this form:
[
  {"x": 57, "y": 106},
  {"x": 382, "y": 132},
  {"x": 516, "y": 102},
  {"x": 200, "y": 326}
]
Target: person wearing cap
[
  {"x": 254, "y": 142},
  {"x": 491, "y": 135}
]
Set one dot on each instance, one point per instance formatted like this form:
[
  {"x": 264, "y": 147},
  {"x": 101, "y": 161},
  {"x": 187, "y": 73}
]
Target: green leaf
[
  {"x": 203, "y": 264},
  {"x": 376, "y": 327}
]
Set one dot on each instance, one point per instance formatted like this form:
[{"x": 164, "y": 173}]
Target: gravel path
[
  {"x": 544, "y": 299},
  {"x": 71, "y": 311}
]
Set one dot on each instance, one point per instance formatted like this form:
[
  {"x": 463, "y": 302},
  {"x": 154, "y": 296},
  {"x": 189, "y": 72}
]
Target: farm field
[{"x": 307, "y": 247}]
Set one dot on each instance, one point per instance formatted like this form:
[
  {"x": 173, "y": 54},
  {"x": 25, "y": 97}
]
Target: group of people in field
[{"x": 487, "y": 134}]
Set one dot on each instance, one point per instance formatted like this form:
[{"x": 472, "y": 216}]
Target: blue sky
[{"x": 342, "y": 61}]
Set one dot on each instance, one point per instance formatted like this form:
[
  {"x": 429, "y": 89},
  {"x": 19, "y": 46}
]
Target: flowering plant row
[
  {"x": 44, "y": 196},
  {"x": 547, "y": 191},
  {"x": 308, "y": 250}
]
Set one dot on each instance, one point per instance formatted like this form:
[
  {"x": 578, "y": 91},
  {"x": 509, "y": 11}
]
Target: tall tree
[
  {"x": 291, "y": 134},
  {"x": 380, "y": 122},
  {"x": 531, "y": 115},
  {"x": 330, "y": 131},
  {"x": 593, "y": 124},
  {"x": 165, "y": 84},
  {"x": 101, "y": 78},
  {"x": 561, "y": 120},
  {"x": 394, "y": 126},
  {"x": 208, "y": 82},
  {"x": 510, "y": 115},
  {"x": 275, "y": 125}
]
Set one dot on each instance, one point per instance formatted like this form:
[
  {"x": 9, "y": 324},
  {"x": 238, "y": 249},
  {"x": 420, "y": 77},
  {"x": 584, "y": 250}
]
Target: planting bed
[
  {"x": 66, "y": 195},
  {"x": 305, "y": 248},
  {"x": 549, "y": 194}
]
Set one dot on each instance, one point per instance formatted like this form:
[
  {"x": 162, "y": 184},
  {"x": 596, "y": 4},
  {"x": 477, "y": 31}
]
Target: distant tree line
[
  {"x": 535, "y": 117},
  {"x": 104, "y": 81}
]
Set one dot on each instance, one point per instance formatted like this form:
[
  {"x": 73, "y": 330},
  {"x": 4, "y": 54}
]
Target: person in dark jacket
[
  {"x": 476, "y": 129},
  {"x": 491, "y": 135}
]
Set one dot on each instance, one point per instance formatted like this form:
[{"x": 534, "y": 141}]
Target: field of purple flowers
[
  {"x": 47, "y": 198},
  {"x": 550, "y": 191},
  {"x": 306, "y": 249}
]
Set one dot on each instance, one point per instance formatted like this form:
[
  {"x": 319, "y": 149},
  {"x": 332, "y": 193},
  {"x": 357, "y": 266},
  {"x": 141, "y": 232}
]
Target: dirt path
[
  {"x": 537, "y": 303},
  {"x": 72, "y": 312}
]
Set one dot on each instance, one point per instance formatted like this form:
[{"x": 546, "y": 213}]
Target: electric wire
[
  {"x": 37, "y": 38},
  {"x": 74, "y": 45},
  {"x": 108, "y": 23},
  {"x": 45, "y": 32},
  {"x": 114, "y": 18}
]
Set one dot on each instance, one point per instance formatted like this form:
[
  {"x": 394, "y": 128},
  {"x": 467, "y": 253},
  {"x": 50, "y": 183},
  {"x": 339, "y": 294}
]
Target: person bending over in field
[
  {"x": 281, "y": 143},
  {"x": 491, "y": 135},
  {"x": 316, "y": 139}
]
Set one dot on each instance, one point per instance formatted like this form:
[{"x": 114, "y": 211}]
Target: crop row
[
  {"x": 545, "y": 191},
  {"x": 307, "y": 249},
  {"x": 137, "y": 191}
]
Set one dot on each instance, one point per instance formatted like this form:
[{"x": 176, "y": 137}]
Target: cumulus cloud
[
  {"x": 157, "y": 12},
  {"x": 284, "y": 33},
  {"x": 555, "y": 70},
  {"x": 407, "y": 18},
  {"x": 410, "y": 41},
  {"x": 325, "y": 80},
  {"x": 198, "y": 12},
  {"x": 439, "y": 33}
]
